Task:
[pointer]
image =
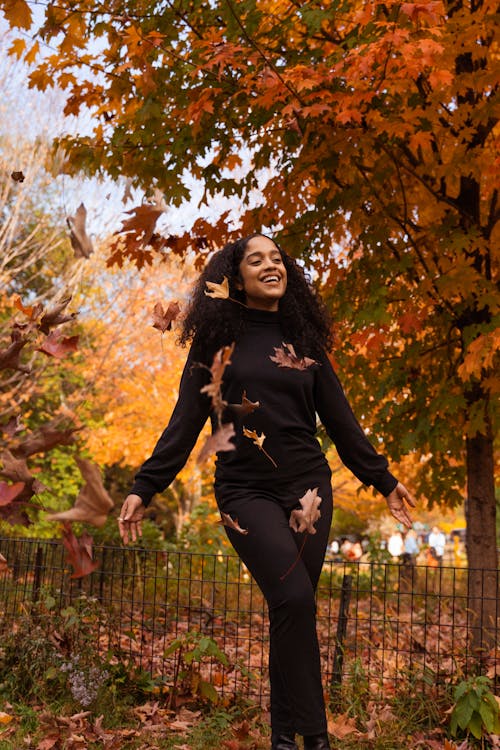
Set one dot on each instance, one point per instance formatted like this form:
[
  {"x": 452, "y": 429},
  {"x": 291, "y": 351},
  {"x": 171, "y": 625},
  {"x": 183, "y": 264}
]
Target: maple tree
[{"x": 366, "y": 138}]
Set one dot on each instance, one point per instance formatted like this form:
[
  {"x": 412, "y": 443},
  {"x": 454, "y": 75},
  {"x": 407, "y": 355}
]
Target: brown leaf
[
  {"x": 219, "y": 441},
  {"x": 259, "y": 442},
  {"x": 58, "y": 346},
  {"x": 78, "y": 552},
  {"x": 142, "y": 222},
  {"x": 304, "y": 519},
  {"x": 228, "y": 521},
  {"x": 8, "y": 492},
  {"x": 49, "y": 742},
  {"x": 218, "y": 291},
  {"x": 341, "y": 726},
  {"x": 44, "y": 439},
  {"x": 56, "y": 316},
  {"x": 10, "y": 357},
  {"x": 222, "y": 358},
  {"x": 162, "y": 320},
  {"x": 17, "y": 176},
  {"x": 15, "y": 468},
  {"x": 13, "y": 426},
  {"x": 80, "y": 241},
  {"x": 93, "y": 503},
  {"x": 285, "y": 356},
  {"x": 246, "y": 406}
]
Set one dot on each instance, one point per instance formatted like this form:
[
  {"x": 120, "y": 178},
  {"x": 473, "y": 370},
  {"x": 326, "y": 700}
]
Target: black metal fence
[{"x": 378, "y": 623}]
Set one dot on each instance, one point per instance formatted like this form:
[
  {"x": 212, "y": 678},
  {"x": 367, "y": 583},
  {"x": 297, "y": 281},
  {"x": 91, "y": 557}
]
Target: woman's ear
[{"x": 238, "y": 284}]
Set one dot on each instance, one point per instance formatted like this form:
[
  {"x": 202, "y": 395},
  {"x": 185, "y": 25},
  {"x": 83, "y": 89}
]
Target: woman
[{"x": 271, "y": 478}]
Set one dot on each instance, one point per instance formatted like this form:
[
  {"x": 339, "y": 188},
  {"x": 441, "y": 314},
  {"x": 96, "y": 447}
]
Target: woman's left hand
[{"x": 396, "y": 503}]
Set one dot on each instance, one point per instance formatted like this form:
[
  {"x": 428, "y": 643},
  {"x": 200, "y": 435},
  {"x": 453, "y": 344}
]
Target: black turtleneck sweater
[{"x": 289, "y": 400}]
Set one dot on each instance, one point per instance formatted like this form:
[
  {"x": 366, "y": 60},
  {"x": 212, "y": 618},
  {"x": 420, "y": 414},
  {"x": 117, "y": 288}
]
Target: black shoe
[
  {"x": 317, "y": 742},
  {"x": 283, "y": 741}
]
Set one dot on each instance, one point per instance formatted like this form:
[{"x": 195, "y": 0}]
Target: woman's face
[{"x": 262, "y": 274}]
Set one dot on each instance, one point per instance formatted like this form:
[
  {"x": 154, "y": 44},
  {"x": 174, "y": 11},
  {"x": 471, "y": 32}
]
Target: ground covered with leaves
[{"x": 120, "y": 720}]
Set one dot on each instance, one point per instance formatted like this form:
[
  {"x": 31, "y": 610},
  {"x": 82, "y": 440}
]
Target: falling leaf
[
  {"x": 4, "y": 566},
  {"x": 13, "y": 426},
  {"x": 10, "y": 357},
  {"x": 31, "y": 311},
  {"x": 142, "y": 221},
  {"x": 93, "y": 503},
  {"x": 285, "y": 356},
  {"x": 219, "y": 441},
  {"x": 163, "y": 319},
  {"x": 303, "y": 519},
  {"x": 17, "y": 176},
  {"x": 228, "y": 521},
  {"x": 80, "y": 241},
  {"x": 246, "y": 406},
  {"x": 78, "y": 552},
  {"x": 218, "y": 291},
  {"x": 221, "y": 359},
  {"x": 259, "y": 442},
  {"x": 15, "y": 468},
  {"x": 58, "y": 346},
  {"x": 56, "y": 316},
  {"x": 8, "y": 492}
]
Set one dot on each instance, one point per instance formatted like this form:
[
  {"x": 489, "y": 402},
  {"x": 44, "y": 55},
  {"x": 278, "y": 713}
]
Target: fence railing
[{"x": 379, "y": 622}]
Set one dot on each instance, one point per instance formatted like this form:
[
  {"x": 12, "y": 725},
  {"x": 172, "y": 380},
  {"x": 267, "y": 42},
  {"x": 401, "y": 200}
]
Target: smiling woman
[{"x": 259, "y": 370}]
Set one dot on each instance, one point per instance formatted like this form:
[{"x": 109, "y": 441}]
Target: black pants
[{"x": 270, "y": 551}]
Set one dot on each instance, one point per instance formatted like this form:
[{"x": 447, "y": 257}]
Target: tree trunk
[{"x": 480, "y": 513}]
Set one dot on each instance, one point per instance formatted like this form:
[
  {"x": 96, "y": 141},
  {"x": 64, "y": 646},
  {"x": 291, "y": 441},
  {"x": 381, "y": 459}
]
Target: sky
[{"x": 30, "y": 114}]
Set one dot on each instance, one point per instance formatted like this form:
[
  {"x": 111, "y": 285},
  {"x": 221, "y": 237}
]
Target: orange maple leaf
[{"x": 259, "y": 442}]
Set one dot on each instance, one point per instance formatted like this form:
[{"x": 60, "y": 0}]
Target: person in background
[
  {"x": 411, "y": 547},
  {"x": 262, "y": 393},
  {"x": 395, "y": 545},
  {"x": 437, "y": 544}
]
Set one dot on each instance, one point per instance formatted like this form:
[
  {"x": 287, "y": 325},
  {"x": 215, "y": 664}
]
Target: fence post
[
  {"x": 37, "y": 573},
  {"x": 338, "y": 655}
]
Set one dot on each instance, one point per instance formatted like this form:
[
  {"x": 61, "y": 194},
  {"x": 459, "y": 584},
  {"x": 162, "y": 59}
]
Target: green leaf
[
  {"x": 488, "y": 715},
  {"x": 207, "y": 690},
  {"x": 475, "y": 726}
]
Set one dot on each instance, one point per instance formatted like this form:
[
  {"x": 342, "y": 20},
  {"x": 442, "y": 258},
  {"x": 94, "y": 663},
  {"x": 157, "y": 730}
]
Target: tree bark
[{"x": 480, "y": 513}]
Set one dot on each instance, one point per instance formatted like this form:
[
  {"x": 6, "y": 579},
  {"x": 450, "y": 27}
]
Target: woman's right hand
[{"x": 130, "y": 518}]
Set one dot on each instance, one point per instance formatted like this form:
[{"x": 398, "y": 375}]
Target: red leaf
[
  {"x": 8, "y": 492},
  {"x": 57, "y": 346},
  {"x": 78, "y": 552},
  {"x": 162, "y": 320}
]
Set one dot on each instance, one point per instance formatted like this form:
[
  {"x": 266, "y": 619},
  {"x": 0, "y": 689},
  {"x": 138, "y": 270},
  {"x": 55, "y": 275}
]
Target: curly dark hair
[{"x": 211, "y": 323}]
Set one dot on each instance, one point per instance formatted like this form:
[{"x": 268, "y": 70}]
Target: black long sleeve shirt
[{"x": 289, "y": 400}]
